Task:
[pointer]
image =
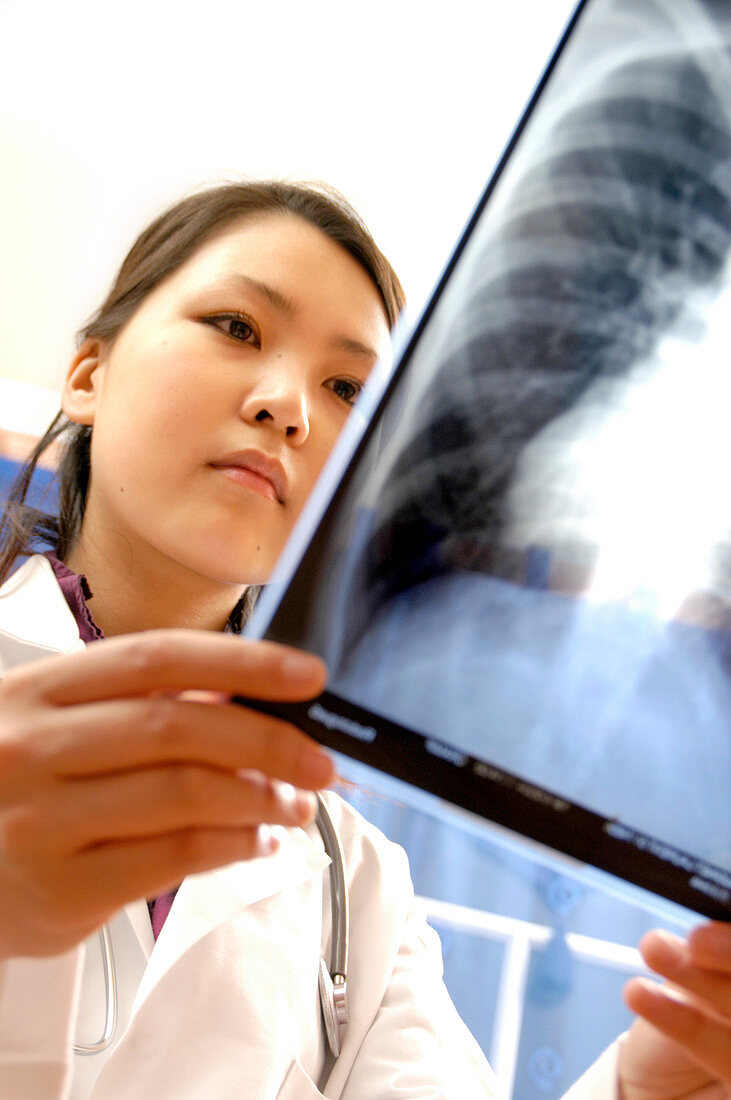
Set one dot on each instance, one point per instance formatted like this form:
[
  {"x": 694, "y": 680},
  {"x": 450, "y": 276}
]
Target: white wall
[{"x": 110, "y": 111}]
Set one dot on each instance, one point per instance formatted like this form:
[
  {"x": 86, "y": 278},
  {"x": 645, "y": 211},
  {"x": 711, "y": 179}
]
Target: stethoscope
[{"x": 332, "y": 981}]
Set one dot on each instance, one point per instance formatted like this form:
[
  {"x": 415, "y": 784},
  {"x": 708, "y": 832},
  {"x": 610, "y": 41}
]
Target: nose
[{"x": 279, "y": 399}]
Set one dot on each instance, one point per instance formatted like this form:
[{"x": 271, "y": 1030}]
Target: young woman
[{"x": 199, "y": 408}]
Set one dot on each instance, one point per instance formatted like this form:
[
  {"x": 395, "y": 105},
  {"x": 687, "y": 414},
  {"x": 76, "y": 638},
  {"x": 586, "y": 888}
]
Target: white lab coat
[{"x": 225, "y": 1004}]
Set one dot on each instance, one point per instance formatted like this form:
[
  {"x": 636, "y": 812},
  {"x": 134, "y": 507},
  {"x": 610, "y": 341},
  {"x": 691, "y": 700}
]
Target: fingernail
[
  {"x": 301, "y": 806},
  {"x": 253, "y": 778},
  {"x": 669, "y": 940},
  {"x": 266, "y": 841},
  {"x": 306, "y": 806},
  {"x": 660, "y": 946},
  {"x": 301, "y": 667},
  {"x": 711, "y": 943}
]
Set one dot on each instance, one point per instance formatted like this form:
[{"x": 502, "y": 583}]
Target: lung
[{"x": 518, "y": 570}]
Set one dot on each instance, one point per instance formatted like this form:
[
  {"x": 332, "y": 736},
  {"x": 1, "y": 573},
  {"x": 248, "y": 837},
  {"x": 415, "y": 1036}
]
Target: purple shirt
[{"x": 75, "y": 588}]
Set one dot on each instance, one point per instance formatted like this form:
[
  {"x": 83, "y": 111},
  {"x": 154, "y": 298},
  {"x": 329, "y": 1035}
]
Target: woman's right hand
[{"x": 114, "y": 784}]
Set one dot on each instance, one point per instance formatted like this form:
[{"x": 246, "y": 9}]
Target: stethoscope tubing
[
  {"x": 111, "y": 994},
  {"x": 338, "y": 892}
]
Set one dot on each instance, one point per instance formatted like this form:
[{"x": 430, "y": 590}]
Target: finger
[
  {"x": 100, "y": 738},
  {"x": 149, "y": 803},
  {"x": 99, "y": 881},
  {"x": 710, "y": 946},
  {"x": 171, "y": 660},
  {"x": 704, "y": 1039},
  {"x": 671, "y": 957}
]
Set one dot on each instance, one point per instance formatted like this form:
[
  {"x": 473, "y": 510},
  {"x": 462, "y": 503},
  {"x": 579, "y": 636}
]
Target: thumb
[{"x": 651, "y": 1066}]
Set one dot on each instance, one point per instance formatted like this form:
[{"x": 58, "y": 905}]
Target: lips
[{"x": 256, "y": 470}]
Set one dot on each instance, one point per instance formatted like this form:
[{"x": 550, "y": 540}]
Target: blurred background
[{"x": 106, "y": 115}]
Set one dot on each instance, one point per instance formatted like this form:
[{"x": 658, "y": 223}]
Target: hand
[
  {"x": 114, "y": 785},
  {"x": 681, "y": 1047}
]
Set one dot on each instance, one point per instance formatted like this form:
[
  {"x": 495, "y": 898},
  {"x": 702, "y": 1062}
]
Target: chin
[
  {"x": 222, "y": 557},
  {"x": 226, "y": 568}
]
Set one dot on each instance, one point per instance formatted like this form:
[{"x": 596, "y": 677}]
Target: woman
[{"x": 206, "y": 394}]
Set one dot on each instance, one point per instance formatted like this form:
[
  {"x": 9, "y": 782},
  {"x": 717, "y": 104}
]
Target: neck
[{"x": 132, "y": 591}]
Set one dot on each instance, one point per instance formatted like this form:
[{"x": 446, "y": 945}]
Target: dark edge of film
[{"x": 509, "y": 800}]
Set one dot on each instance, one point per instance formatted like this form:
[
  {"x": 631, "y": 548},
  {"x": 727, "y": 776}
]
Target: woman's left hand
[{"x": 681, "y": 1045}]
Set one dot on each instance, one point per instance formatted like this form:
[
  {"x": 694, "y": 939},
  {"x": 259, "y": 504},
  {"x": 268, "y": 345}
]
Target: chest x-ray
[{"x": 522, "y": 584}]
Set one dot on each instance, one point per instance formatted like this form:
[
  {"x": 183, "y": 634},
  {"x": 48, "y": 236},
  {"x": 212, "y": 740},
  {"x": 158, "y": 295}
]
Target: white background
[{"x": 110, "y": 111}]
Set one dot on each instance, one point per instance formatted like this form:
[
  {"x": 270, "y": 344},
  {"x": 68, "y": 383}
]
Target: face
[{"x": 216, "y": 406}]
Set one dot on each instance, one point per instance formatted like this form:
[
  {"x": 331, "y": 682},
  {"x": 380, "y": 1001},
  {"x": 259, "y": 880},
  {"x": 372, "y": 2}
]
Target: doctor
[{"x": 205, "y": 396}]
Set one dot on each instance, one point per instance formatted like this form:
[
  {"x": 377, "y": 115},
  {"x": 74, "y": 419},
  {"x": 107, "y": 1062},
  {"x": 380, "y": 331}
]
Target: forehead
[{"x": 293, "y": 256}]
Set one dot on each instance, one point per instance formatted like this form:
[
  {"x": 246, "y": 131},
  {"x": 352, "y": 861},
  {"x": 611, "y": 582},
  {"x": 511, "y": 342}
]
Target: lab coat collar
[
  {"x": 207, "y": 900},
  {"x": 36, "y": 620}
]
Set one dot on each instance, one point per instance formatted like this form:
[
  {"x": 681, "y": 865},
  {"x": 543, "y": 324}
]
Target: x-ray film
[{"x": 519, "y": 569}]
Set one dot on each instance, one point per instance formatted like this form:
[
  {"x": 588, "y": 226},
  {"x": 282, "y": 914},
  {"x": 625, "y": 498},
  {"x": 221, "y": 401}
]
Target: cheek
[{"x": 163, "y": 411}]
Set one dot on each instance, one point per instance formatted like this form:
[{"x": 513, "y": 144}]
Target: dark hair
[{"x": 160, "y": 250}]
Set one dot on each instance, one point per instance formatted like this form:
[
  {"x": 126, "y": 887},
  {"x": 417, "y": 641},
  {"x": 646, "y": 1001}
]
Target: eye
[
  {"x": 348, "y": 389},
  {"x": 237, "y": 326}
]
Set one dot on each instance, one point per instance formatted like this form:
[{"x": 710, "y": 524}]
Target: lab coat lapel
[
  {"x": 37, "y": 621},
  {"x": 205, "y": 901}
]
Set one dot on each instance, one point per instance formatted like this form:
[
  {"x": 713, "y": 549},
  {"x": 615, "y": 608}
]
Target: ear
[{"x": 83, "y": 381}]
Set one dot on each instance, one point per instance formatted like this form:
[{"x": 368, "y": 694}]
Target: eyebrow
[
  {"x": 354, "y": 347},
  {"x": 277, "y": 299},
  {"x": 286, "y": 305}
]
